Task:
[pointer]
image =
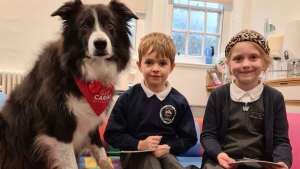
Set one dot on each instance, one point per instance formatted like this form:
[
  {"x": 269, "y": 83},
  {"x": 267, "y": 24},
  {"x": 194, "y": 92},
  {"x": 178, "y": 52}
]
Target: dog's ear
[
  {"x": 67, "y": 10},
  {"x": 122, "y": 10}
]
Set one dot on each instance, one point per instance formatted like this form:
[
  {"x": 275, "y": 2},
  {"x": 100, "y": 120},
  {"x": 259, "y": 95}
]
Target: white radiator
[{"x": 9, "y": 79}]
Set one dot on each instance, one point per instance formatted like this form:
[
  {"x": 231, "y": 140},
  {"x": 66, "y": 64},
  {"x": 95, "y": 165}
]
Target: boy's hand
[
  {"x": 149, "y": 143},
  {"x": 271, "y": 166},
  {"x": 223, "y": 160},
  {"x": 159, "y": 153}
]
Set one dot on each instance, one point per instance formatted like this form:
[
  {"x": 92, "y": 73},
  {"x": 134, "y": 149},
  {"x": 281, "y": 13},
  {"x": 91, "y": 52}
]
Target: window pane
[
  {"x": 132, "y": 21},
  {"x": 213, "y": 22},
  {"x": 181, "y": 2},
  {"x": 132, "y": 39},
  {"x": 179, "y": 40},
  {"x": 195, "y": 44},
  {"x": 195, "y": 23},
  {"x": 212, "y": 41},
  {"x": 180, "y": 17},
  {"x": 197, "y": 20},
  {"x": 213, "y": 5},
  {"x": 197, "y": 3}
]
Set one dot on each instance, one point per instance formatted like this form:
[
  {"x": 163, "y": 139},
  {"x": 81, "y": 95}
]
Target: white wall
[
  {"x": 25, "y": 26},
  {"x": 251, "y": 14},
  {"x": 281, "y": 11}
]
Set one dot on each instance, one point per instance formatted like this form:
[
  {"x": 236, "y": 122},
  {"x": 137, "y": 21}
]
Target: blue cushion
[
  {"x": 185, "y": 161},
  {"x": 195, "y": 151},
  {"x": 2, "y": 99}
]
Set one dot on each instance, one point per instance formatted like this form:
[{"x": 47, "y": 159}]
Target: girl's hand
[
  {"x": 223, "y": 160},
  {"x": 149, "y": 143},
  {"x": 271, "y": 166},
  {"x": 159, "y": 153}
]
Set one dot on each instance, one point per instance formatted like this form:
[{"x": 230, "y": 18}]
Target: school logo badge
[{"x": 167, "y": 114}]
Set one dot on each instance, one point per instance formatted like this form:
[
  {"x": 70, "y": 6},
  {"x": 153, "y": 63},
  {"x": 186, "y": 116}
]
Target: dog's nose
[{"x": 100, "y": 44}]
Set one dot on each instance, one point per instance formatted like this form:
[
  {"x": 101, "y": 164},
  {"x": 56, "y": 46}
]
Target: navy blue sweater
[{"x": 135, "y": 117}]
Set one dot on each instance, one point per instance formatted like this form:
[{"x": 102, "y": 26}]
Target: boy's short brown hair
[{"x": 160, "y": 43}]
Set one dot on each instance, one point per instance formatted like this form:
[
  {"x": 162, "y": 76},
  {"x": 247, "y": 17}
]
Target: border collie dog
[{"x": 54, "y": 114}]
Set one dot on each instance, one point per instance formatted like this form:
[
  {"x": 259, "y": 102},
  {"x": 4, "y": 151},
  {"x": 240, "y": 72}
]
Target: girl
[{"x": 246, "y": 118}]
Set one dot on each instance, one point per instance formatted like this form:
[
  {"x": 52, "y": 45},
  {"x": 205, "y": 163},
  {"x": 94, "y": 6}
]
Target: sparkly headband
[{"x": 245, "y": 36}]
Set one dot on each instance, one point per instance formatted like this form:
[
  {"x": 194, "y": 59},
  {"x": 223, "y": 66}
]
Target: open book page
[
  {"x": 249, "y": 160},
  {"x": 138, "y": 151}
]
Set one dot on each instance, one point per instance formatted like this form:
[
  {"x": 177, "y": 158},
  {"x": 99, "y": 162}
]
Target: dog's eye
[
  {"x": 84, "y": 27},
  {"x": 110, "y": 25}
]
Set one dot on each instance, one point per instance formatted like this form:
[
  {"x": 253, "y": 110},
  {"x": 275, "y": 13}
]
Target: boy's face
[{"x": 156, "y": 70}]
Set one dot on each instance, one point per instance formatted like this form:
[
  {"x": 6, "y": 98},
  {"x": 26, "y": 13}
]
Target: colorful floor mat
[{"x": 90, "y": 163}]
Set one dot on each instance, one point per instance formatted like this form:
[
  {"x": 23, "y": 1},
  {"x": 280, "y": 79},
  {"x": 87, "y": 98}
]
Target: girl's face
[{"x": 246, "y": 65}]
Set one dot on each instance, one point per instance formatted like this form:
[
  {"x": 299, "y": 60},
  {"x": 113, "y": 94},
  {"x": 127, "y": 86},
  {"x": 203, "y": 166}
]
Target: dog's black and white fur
[{"x": 47, "y": 123}]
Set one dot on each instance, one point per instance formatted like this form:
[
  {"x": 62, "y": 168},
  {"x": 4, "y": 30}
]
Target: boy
[{"x": 152, "y": 115}]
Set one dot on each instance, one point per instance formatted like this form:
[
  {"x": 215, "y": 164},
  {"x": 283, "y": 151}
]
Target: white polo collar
[
  {"x": 161, "y": 95},
  {"x": 240, "y": 95}
]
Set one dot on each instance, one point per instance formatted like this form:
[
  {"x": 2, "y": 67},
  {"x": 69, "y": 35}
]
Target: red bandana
[{"x": 98, "y": 96}]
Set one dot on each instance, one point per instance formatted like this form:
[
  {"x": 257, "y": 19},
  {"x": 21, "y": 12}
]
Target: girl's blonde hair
[{"x": 157, "y": 42}]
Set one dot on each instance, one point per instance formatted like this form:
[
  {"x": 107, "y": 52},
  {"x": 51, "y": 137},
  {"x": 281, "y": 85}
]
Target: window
[
  {"x": 196, "y": 25},
  {"x": 132, "y": 37}
]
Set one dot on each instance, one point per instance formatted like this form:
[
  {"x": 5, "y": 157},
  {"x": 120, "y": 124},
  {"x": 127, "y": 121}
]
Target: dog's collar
[{"x": 97, "y": 95}]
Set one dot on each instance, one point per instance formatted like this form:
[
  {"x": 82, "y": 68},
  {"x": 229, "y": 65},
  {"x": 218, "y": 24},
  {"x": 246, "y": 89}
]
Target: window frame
[{"x": 191, "y": 58}]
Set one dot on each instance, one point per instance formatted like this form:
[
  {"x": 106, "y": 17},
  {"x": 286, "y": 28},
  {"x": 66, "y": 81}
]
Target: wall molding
[
  {"x": 292, "y": 102},
  {"x": 199, "y": 66},
  {"x": 291, "y": 81}
]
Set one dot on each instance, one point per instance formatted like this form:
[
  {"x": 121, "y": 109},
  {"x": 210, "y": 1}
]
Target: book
[
  {"x": 137, "y": 151},
  {"x": 249, "y": 160}
]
